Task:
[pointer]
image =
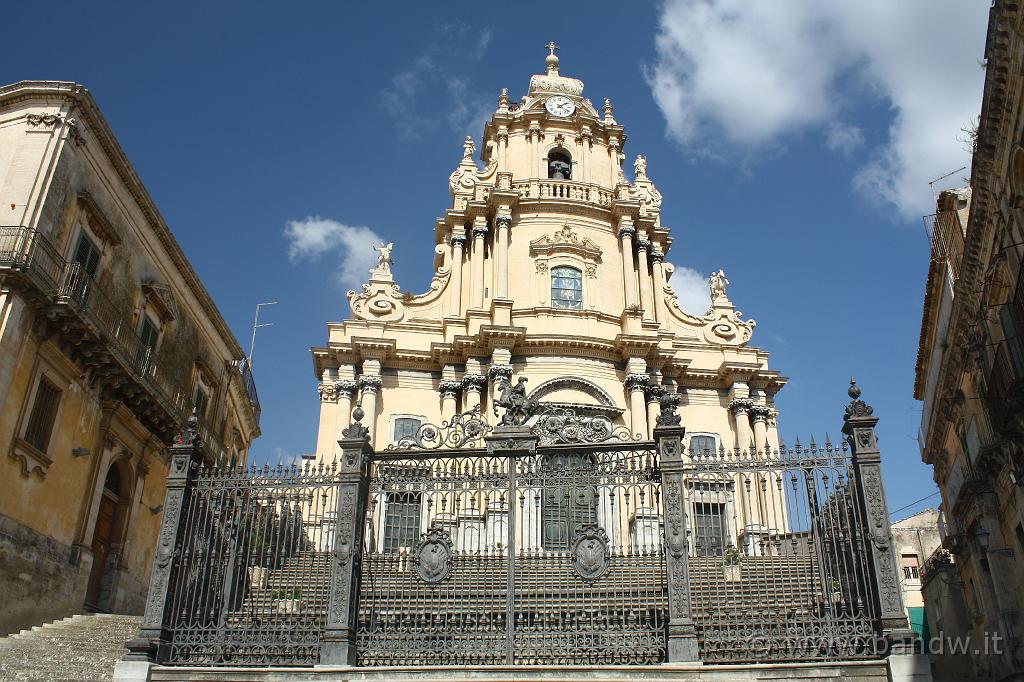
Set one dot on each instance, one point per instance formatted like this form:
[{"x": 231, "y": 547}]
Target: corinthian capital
[
  {"x": 636, "y": 382},
  {"x": 741, "y": 406},
  {"x": 503, "y": 221},
  {"x": 449, "y": 389},
  {"x": 328, "y": 391},
  {"x": 473, "y": 382},
  {"x": 627, "y": 231},
  {"x": 370, "y": 383}
]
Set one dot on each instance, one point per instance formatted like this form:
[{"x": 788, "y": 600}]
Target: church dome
[{"x": 553, "y": 83}]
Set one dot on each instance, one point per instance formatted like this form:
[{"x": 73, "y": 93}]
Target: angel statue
[
  {"x": 718, "y": 282},
  {"x": 384, "y": 259}
]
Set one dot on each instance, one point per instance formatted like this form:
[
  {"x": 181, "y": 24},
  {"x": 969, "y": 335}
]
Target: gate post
[
  {"x": 338, "y": 645},
  {"x": 186, "y": 456},
  {"x": 859, "y": 428},
  {"x": 668, "y": 434}
]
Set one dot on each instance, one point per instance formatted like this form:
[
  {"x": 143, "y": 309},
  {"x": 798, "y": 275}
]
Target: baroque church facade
[{"x": 550, "y": 266}]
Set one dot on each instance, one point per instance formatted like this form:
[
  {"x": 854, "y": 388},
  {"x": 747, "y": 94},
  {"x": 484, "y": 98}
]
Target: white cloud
[
  {"x": 313, "y": 237},
  {"x": 733, "y": 74},
  {"x": 844, "y": 138},
  {"x": 692, "y": 290},
  {"x": 442, "y": 67}
]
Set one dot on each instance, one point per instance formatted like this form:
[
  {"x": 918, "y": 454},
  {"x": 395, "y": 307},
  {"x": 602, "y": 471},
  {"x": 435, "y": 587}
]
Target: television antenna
[{"x": 256, "y": 325}]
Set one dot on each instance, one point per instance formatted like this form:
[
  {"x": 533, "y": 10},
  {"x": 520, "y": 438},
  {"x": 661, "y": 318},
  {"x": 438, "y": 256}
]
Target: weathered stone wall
[{"x": 39, "y": 582}]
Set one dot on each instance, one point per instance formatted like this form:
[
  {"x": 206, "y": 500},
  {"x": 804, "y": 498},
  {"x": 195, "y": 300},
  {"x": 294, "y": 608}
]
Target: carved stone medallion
[
  {"x": 433, "y": 554},
  {"x": 590, "y": 552}
]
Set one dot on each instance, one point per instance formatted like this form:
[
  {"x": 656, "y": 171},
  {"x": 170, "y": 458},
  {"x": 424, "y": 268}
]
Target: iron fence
[
  {"x": 549, "y": 557},
  {"x": 578, "y": 547},
  {"x": 779, "y": 566},
  {"x": 253, "y": 566}
]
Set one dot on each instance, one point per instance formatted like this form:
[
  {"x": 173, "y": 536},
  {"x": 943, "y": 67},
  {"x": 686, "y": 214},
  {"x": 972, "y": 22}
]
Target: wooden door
[{"x": 101, "y": 542}]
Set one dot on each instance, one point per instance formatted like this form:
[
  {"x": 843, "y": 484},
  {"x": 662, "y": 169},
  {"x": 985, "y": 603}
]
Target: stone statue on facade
[
  {"x": 718, "y": 284},
  {"x": 518, "y": 407},
  {"x": 640, "y": 166},
  {"x": 383, "y": 266}
]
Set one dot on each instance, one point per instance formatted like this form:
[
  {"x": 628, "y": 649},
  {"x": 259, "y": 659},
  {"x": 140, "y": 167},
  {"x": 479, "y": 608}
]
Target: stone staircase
[{"x": 80, "y": 648}]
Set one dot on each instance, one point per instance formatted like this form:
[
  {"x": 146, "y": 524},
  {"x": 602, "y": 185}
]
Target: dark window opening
[
  {"x": 565, "y": 509},
  {"x": 709, "y": 528},
  {"x": 87, "y": 255},
  {"x": 566, "y": 288},
  {"x": 559, "y": 166},
  {"x": 43, "y": 415}
]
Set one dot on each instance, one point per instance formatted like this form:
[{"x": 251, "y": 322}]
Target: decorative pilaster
[
  {"x": 338, "y": 646},
  {"x": 759, "y": 416},
  {"x": 859, "y": 428},
  {"x": 503, "y": 223},
  {"x": 369, "y": 385},
  {"x": 682, "y": 635},
  {"x": 476, "y": 269},
  {"x": 635, "y": 385},
  {"x": 653, "y": 394},
  {"x": 643, "y": 249},
  {"x": 458, "y": 250},
  {"x": 449, "y": 391},
  {"x": 472, "y": 390},
  {"x": 346, "y": 390},
  {"x": 186, "y": 456},
  {"x": 658, "y": 272},
  {"x": 740, "y": 408},
  {"x": 626, "y": 233}
]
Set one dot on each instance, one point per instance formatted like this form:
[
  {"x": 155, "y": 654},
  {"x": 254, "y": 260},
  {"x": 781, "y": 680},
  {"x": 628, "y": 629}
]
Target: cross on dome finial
[{"x": 552, "y": 59}]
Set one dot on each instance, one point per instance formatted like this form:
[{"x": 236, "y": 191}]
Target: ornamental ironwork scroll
[
  {"x": 557, "y": 425},
  {"x": 433, "y": 556},
  {"x": 467, "y": 428}
]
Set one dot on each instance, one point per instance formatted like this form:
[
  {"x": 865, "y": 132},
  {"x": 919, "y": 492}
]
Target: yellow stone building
[
  {"x": 108, "y": 341},
  {"x": 550, "y": 265}
]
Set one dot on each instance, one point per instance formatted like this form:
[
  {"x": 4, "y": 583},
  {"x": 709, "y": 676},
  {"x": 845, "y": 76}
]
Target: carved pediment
[
  {"x": 565, "y": 241},
  {"x": 161, "y": 298}
]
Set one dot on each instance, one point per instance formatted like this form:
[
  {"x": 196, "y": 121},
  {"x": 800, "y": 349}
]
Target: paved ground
[{"x": 75, "y": 649}]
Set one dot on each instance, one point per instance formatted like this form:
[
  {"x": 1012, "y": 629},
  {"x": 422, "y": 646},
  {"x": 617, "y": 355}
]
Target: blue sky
[{"x": 793, "y": 143}]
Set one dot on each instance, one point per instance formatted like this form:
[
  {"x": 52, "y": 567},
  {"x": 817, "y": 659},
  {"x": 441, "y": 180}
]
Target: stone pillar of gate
[
  {"x": 152, "y": 643},
  {"x": 859, "y": 429},
  {"x": 668, "y": 434},
  {"x": 338, "y": 645}
]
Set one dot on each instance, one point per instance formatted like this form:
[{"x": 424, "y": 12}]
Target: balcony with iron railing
[
  {"x": 946, "y": 235},
  {"x": 154, "y": 384}
]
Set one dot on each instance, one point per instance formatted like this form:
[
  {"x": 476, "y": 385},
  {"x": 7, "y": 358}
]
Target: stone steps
[{"x": 76, "y": 649}]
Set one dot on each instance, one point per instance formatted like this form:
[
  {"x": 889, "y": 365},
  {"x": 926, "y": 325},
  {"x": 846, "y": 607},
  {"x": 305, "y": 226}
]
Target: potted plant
[
  {"x": 288, "y": 600},
  {"x": 731, "y": 559}
]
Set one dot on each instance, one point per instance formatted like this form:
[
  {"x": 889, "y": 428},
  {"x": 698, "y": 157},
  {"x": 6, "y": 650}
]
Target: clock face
[{"x": 559, "y": 106}]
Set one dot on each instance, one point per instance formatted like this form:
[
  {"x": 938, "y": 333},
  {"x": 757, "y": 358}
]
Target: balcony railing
[
  {"x": 947, "y": 239},
  {"x": 565, "y": 189},
  {"x": 1006, "y": 381},
  {"x": 162, "y": 376}
]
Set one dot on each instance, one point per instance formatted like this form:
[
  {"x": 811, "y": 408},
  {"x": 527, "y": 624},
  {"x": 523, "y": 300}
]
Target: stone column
[
  {"x": 449, "y": 391},
  {"x": 346, "y": 392},
  {"x": 859, "y": 429},
  {"x": 458, "y": 247},
  {"x": 338, "y": 645},
  {"x": 476, "y": 270},
  {"x": 613, "y": 162},
  {"x": 682, "y": 635},
  {"x": 472, "y": 391},
  {"x": 635, "y": 386},
  {"x": 369, "y": 385},
  {"x": 759, "y": 415},
  {"x": 152, "y": 642},
  {"x": 503, "y": 223},
  {"x": 626, "y": 234},
  {"x": 740, "y": 408},
  {"x": 658, "y": 270},
  {"x": 643, "y": 248},
  {"x": 653, "y": 394}
]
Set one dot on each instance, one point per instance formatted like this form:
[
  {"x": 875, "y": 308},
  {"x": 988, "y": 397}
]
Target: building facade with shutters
[
  {"x": 550, "y": 266},
  {"x": 108, "y": 341},
  {"x": 970, "y": 377}
]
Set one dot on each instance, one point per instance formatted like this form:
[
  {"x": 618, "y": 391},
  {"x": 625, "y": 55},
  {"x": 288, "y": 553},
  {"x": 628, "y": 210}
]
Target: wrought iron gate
[{"x": 478, "y": 558}]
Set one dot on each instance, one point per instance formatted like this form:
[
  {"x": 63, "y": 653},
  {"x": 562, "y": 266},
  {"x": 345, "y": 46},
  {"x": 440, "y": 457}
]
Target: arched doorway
[{"x": 105, "y": 536}]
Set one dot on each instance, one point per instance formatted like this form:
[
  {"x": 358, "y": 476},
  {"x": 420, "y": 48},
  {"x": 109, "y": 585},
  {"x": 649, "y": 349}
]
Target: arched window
[
  {"x": 566, "y": 288},
  {"x": 559, "y": 166}
]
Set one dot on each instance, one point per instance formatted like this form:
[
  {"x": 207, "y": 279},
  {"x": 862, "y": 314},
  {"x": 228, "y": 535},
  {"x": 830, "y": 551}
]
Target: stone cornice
[{"x": 87, "y": 112}]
